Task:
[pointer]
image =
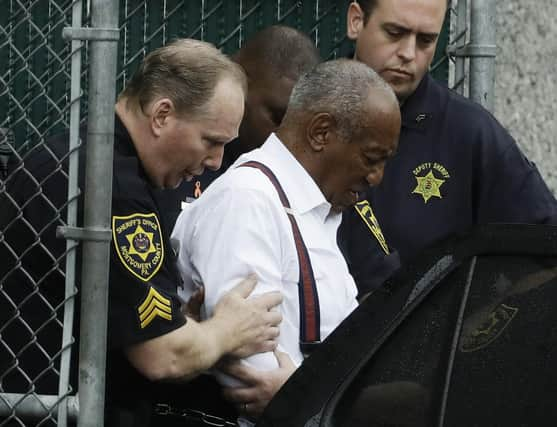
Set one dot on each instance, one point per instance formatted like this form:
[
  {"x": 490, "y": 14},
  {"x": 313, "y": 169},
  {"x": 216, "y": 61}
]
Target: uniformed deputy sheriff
[
  {"x": 456, "y": 166},
  {"x": 180, "y": 109}
]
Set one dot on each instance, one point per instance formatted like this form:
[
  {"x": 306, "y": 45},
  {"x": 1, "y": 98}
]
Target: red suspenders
[{"x": 310, "y": 334}]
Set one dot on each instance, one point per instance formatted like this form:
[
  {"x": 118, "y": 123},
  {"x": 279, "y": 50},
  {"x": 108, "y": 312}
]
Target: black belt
[{"x": 189, "y": 417}]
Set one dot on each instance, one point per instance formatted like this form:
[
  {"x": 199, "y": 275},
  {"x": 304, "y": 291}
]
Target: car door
[{"x": 465, "y": 336}]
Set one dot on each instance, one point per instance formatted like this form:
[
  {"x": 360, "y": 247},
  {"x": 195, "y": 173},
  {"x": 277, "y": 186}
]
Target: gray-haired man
[{"x": 276, "y": 213}]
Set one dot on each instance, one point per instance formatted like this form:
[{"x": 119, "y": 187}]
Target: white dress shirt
[{"x": 239, "y": 226}]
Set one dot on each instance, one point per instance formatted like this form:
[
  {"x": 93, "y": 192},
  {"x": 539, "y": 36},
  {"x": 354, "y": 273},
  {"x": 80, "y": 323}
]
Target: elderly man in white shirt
[{"x": 341, "y": 125}]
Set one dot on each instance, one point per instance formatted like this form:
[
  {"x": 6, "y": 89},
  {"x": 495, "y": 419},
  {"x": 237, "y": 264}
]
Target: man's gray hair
[{"x": 340, "y": 87}]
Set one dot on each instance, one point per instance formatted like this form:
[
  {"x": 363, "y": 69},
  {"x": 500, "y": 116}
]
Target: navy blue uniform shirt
[
  {"x": 143, "y": 302},
  {"x": 456, "y": 166},
  {"x": 142, "y": 266}
]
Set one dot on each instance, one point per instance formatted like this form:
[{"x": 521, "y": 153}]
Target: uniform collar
[
  {"x": 124, "y": 146},
  {"x": 302, "y": 191},
  {"x": 418, "y": 110},
  {"x": 227, "y": 159},
  {"x": 122, "y": 140}
]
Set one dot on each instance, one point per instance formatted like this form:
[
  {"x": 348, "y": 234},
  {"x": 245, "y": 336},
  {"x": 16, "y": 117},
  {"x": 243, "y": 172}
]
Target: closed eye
[
  {"x": 395, "y": 31},
  {"x": 214, "y": 142},
  {"x": 372, "y": 161},
  {"x": 427, "y": 39}
]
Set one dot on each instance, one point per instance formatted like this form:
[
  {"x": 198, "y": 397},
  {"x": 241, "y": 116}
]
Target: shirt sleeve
[
  {"x": 143, "y": 300},
  {"x": 512, "y": 189},
  {"x": 225, "y": 237}
]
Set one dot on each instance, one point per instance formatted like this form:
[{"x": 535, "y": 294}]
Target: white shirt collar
[{"x": 302, "y": 191}]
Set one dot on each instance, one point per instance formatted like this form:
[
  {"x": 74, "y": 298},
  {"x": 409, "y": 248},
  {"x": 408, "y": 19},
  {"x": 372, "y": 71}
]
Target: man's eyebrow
[
  {"x": 395, "y": 26},
  {"x": 432, "y": 35},
  {"x": 402, "y": 28},
  {"x": 378, "y": 152},
  {"x": 219, "y": 137}
]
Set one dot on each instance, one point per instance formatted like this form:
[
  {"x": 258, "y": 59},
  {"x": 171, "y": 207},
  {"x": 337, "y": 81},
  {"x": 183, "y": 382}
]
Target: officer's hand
[
  {"x": 248, "y": 326},
  {"x": 260, "y": 387}
]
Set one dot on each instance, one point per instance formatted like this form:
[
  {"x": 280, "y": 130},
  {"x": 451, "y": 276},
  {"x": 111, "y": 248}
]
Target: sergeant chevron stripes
[{"x": 154, "y": 305}]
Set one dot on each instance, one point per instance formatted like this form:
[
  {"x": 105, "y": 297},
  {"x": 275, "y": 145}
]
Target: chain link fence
[
  {"x": 43, "y": 92},
  {"x": 36, "y": 308}
]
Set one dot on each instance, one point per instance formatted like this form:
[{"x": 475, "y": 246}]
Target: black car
[{"x": 465, "y": 336}]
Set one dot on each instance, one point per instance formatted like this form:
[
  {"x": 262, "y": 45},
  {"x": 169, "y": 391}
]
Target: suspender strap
[{"x": 307, "y": 291}]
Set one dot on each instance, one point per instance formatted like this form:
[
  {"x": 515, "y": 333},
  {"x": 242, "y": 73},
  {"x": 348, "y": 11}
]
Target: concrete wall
[{"x": 526, "y": 79}]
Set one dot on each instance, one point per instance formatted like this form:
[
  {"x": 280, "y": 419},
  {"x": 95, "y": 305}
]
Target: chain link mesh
[
  {"x": 34, "y": 99},
  {"x": 35, "y": 104}
]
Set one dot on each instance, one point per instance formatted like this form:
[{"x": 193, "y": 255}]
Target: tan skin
[
  {"x": 340, "y": 168},
  {"x": 171, "y": 147},
  {"x": 398, "y": 40}
]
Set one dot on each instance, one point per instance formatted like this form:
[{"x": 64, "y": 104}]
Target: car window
[
  {"x": 421, "y": 350},
  {"x": 402, "y": 383},
  {"x": 501, "y": 370},
  {"x": 504, "y": 370}
]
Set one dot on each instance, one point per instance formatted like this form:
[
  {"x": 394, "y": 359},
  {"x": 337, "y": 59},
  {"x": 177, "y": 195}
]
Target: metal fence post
[
  {"x": 460, "y": 41},
  {"x": 98, "y": 196},
  {"x": 73, "y": 194},
  {"x": 482, "y": 51}
]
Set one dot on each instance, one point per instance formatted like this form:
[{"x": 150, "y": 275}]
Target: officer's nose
[
  {"x": 213, "y": 160},
  {"x": 407, "y": 48},
  {"x": 376, "y": 176}
]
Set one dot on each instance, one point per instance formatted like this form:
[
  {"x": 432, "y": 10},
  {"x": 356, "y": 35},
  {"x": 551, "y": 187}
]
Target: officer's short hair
[
  {"x": 281, "y": 50},
  {"x": 367, "y": 7},
  {"x": 341, "y": 87},
  {"x": 185, "y": 71}
]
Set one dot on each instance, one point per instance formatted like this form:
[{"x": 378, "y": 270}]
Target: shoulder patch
[
  {"x": 366, "y": 213},
  {"x": 154, "y": 305},
  {"x": 138, "y": 243}
]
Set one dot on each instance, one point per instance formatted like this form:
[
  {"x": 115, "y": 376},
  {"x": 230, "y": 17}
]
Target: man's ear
[
  {"x": 161, "y": 110},
  {"x": 354, "y": 20},
  {"x": 320, "y": 131}
]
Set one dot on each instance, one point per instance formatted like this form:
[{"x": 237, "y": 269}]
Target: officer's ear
[
  {"x": 355, "y": 20},
  {"x": 320, "y": 130},
  {"x": 161, "y": 110}
]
